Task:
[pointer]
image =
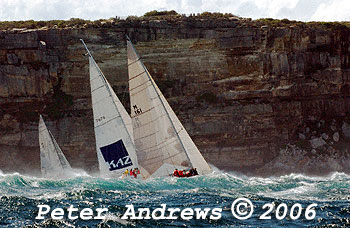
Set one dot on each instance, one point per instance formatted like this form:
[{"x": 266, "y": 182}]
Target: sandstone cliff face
[{"x": 256, "y": 99}]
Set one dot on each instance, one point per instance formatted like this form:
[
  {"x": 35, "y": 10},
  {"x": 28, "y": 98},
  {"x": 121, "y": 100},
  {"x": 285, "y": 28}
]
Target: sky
[{"x": 301, "y": 10}]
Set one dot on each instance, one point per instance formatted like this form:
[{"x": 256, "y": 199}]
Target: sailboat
[
  {"x": 53, "y": 161},
  {"x": 112, "y": 125},
  {"x": 162, "y": 143}
]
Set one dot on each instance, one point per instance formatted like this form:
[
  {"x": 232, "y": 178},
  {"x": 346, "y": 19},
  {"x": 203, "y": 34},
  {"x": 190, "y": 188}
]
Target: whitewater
[{"x": 20, "y": 195}]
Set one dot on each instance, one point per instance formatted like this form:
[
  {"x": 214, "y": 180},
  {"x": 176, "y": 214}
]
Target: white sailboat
[
  {"x": 112, "y": 125},
  {"x": 53, "y": 161},
  {"x": 162, "y": 143}
]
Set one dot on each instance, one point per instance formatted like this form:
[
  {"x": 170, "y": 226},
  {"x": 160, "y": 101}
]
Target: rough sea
[{"x": 20, "y": 196}]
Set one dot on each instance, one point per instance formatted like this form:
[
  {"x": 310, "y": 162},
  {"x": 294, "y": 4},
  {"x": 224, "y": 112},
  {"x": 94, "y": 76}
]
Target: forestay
[
  {"x": 53, "y": 161},
  {"x": 112, "y": 124},
  {"x": 161, "y": 142}
]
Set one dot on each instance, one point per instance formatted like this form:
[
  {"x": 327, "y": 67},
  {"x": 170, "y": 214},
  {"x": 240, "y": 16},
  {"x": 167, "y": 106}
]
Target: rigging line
[
  {"x": 55, "y": 146},
  {"x": 149, "y": 77},
  {"x": 126, "y": 90},
  {"x": 145, "y": 70}
]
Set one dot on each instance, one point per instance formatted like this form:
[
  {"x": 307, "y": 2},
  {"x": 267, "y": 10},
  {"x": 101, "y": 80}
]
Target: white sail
[
  {"x": 161, "y": 142},
  {"x": 53, "y": 161},
  {"x": 112, "y": 124}
]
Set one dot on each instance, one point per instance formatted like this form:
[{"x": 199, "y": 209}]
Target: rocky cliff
[{"x": 257, "y": 97}]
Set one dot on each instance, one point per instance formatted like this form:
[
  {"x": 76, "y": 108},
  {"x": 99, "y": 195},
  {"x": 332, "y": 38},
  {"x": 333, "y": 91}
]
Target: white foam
[{"x": 114, "y": 218}]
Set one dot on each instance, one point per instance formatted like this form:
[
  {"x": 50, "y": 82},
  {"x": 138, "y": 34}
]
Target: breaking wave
[{"x": 21, "y": 194}]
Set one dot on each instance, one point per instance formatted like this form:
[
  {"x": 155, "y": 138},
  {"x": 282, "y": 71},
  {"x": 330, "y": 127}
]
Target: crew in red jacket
[
  {"x": 176, "y": 173},
  {"x": 181, "y": 173}
]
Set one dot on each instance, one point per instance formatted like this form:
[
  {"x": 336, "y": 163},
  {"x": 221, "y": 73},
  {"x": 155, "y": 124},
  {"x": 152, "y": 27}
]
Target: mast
[
  {"x": 161, "y": 100},
  {"x": 161, "y": 144},
  {"x": 55, "y": 146},
  {"x": 105, "y": 84},
  {"x": 52, "y": 158},
  {"x": 112, "y": 124}
]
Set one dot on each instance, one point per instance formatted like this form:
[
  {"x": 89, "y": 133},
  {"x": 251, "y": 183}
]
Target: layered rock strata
[{"x": 256, "y": 98}]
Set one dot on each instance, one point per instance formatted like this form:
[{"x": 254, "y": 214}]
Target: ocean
[{"x": 21, "y": 195}]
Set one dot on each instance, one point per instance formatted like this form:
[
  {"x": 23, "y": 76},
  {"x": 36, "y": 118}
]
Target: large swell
[{"x": 20, "y": 196}]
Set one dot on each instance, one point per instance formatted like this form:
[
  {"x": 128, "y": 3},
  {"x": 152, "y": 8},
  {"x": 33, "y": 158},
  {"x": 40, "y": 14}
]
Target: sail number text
[
  {"x": 100, "y": 119},
  {"x": 137, "y": 110},
  {"x": 124, "y": 161}
]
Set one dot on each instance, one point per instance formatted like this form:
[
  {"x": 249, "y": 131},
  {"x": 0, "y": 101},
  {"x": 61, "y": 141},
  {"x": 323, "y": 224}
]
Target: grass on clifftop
[
  {"x": 171, "y": 15},
  {"x": 79, "y": 23},
  {"x": 31, "y": 24},
  {"x": 285, "y": 22}
]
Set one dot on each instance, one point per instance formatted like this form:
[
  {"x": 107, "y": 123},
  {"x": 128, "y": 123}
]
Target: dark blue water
[{"x": 20, "y": 196}]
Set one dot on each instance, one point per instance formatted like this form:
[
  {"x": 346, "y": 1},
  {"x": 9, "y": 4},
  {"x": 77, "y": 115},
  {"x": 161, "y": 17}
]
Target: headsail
[
  {"x": 53, "y": 161},
  {"x": 112, "y": 124},
  {"x": 161, "y": 142}
]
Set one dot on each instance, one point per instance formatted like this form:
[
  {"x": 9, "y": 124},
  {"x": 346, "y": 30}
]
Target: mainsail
[
  {"x": 112, "y": 124},
  {"x": 162, "y": 143},
  {"x": 53, "y": 161}
]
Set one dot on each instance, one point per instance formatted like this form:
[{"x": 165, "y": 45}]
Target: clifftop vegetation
[{"x": 171, "y": 15}]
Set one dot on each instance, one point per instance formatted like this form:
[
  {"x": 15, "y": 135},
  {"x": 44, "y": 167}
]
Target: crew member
[
  {"x": 176, "y": 173},
  {"x": 126, "y": 172},
  {"x": 195, "y": 173},
  {"x": 181, "y": 173},
  {"x": 137, "y": 170}
]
